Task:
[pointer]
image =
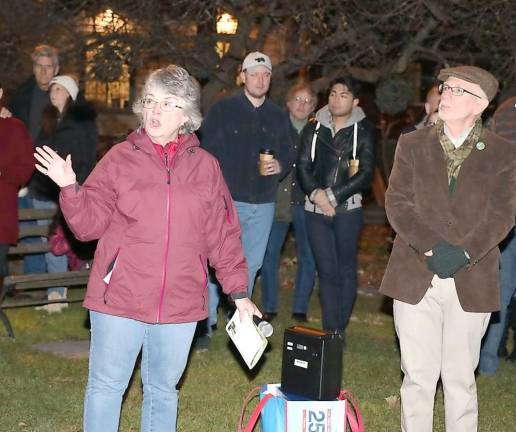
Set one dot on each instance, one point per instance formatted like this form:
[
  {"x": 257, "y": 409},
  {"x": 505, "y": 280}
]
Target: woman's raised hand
[{"x": 54, "y": 166}]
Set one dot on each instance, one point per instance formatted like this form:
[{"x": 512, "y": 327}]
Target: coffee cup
[
  {"x": 266, "y": 155},
  {"x": 353, "y": 167}
]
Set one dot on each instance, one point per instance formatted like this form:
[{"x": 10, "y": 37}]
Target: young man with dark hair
[{"x": 335, "y": 165}]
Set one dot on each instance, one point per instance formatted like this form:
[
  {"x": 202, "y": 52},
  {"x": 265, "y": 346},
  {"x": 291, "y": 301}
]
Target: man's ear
[
  {"x": 355, "y": 102},
  {"x": 242, "y": 77},
  {"x": 427, "y": 108},
  {"x": 481, "y": 105}
]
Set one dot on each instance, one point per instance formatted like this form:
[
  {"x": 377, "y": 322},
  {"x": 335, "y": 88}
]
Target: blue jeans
[
  {"x": 270, "y": 267},
  {"x": 54, "y": 263},
  {"x": 115, "y": 345},
  {"x": 489, "y": 353},
  {"x": 32, "y": 263},
  {"x": 305, "y": 276},
  {"x": 334, "y": 242},
  {"x": 255, "y": 225}
]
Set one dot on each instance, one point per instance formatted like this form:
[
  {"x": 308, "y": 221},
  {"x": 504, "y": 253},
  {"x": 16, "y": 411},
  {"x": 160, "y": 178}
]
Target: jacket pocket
[
  {"x": 109, "y": 273},
  {"x": 226, "y": 208},
  {"x": 205, "y": 281}
]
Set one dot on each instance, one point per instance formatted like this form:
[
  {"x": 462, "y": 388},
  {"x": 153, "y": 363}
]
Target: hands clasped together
[
  {"x": 54, "y": 166},
  {"x": 321, "y": 199},
  {"x": 446, "y": 259}
]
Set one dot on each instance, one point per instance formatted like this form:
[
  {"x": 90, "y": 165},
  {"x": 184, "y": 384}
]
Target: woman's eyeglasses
[{"x": 165, "y": 105}]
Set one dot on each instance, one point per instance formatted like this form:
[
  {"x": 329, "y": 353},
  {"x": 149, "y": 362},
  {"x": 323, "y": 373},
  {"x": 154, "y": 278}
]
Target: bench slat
[
  {"x": 33, "y": 231},
  {"x": 28, "y": 248},
  {"x": 44, "y": 280},
  {"x": 18, "y": 303},
  {"x": 33, "y": 214}
]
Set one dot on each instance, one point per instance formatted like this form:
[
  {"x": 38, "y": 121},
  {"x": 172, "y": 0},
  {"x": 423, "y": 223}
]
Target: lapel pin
[{"x": 480, "y": 145}]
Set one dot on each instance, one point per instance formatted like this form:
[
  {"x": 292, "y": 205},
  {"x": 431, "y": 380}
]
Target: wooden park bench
[{"x": 28, "y": 283}]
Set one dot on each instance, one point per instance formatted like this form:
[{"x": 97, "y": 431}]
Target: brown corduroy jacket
[{"x": 477, "y": 216}]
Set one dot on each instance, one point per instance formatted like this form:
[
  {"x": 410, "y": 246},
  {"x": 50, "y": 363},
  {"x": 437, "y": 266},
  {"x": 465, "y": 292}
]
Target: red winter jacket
[
  {"x": 16, "y": 167},
  {"x": 157, "y": 230}
]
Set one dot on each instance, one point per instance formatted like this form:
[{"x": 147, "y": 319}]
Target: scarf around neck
[{"x": 456, "y": 156}]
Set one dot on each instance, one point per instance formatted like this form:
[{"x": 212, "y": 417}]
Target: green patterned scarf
[{"x": 456, "y": 156}]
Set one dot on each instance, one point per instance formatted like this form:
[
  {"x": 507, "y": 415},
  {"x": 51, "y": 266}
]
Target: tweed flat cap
[{"x": 487, "y": 82}]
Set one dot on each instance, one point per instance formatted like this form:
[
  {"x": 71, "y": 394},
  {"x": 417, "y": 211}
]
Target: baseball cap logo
[{"x": 259, "y": 59}]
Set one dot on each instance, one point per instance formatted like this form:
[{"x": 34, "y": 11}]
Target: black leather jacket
[{"x": 330, "y": 168}]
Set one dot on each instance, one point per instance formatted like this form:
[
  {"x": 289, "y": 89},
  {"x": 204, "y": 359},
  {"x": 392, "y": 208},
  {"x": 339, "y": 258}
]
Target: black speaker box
[{"x": 312, "y": 363}]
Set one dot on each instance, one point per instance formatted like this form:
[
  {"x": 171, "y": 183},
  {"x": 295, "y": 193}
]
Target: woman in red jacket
[
  {"x": 16, "y": 167},
  {"x": 161, "y": 210}
]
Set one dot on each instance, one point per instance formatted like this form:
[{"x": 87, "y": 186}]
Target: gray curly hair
[{"x": 175, "y": 81}]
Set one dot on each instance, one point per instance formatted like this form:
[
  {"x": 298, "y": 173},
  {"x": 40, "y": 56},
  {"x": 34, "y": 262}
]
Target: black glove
[{"x": 446, "y": 259}]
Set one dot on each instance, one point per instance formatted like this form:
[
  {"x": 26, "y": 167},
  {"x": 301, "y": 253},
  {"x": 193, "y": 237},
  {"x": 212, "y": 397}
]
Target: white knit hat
[
  {"x": 256, "y": 58},
  {"x": 68, "y": 83}
]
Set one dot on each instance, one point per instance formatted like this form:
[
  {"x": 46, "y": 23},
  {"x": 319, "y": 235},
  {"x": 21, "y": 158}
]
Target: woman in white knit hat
[{"x": 68, "y": 127}]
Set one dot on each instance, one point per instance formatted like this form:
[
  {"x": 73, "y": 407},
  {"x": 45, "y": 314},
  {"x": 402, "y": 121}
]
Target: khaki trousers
[{"x": 439, "y": 339}]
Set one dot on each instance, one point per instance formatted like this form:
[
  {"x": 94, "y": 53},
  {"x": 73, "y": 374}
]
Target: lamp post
[{"x": 226, "y": 24}]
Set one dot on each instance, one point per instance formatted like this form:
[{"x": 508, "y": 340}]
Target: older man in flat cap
[{"x": 451, "y": 200}]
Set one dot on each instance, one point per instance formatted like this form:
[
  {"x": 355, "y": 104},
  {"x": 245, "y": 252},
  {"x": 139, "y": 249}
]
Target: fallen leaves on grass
[{"x": 392, "y": 401}]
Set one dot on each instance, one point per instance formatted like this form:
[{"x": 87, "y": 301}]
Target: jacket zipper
[
  {"x": 337, "y": 167},
  {"x": 167, "y": 238},
  {"x": 337, "y": 170}
]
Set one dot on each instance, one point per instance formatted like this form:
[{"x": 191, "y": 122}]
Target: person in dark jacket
[
  {"x": 430, "y": 115},
  {"x": 503, "y": 123},
  {"x": 290, "y": 200},
  {"x": 16, "y": 166},
  {"x": 161, "y": 209},
  {"x": 27, "y": 104},
  {"x": 234, "y": 131},
  {"x": 29, "y": 100},
  {"x": 340, "y": 139},
  {"x": 68, "y": 127}
]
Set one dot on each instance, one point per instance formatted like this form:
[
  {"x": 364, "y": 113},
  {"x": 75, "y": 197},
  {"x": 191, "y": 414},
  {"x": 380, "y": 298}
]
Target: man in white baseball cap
[{"x": 234, "y": 131}]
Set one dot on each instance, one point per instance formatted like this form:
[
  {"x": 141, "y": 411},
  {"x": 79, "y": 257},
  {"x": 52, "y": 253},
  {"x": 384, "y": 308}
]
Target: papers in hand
[{"x": 249, "y": 341}]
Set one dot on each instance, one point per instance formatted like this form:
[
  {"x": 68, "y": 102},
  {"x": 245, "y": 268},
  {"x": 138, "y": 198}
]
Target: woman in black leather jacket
[{"x": 340, "y": 137}]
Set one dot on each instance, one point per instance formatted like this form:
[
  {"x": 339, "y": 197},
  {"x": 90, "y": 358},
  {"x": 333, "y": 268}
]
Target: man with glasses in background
[
  {"x": 27, "y": 104},
  {"x": 451, "y": 201},
  {"x": 301, "y": 101}
]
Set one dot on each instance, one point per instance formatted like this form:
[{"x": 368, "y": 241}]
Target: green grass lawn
[{"x": 42, "y": 392}]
